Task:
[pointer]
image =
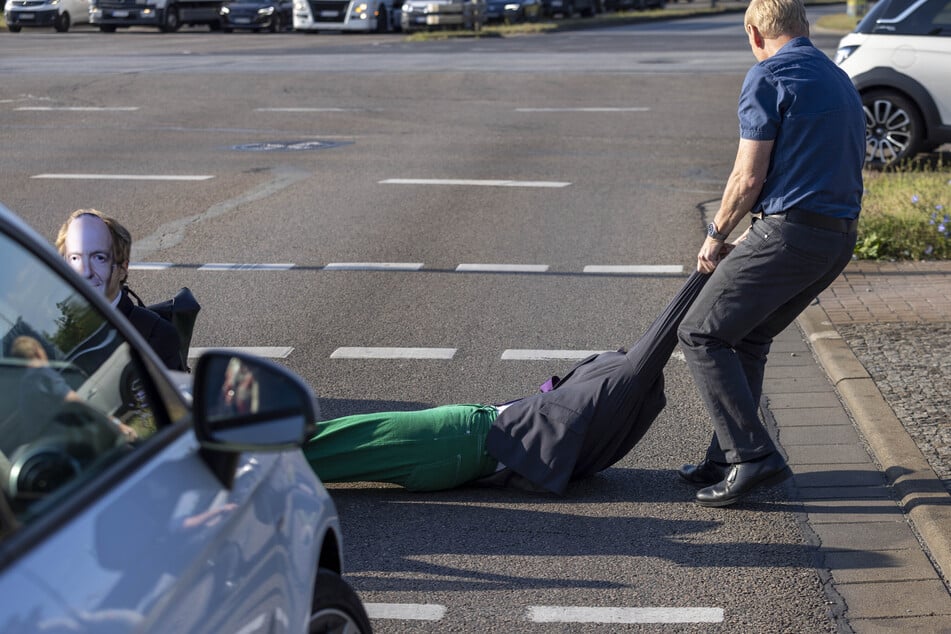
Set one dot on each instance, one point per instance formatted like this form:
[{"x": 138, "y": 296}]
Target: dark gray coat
[{"x": 596, "y": 413}]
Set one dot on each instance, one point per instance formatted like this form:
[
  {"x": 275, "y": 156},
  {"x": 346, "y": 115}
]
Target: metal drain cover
[{"x": 288, "y": 146}]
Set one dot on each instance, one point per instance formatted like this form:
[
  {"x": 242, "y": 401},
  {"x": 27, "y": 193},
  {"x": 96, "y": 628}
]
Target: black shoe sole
[{"x": 772, "y": 480}]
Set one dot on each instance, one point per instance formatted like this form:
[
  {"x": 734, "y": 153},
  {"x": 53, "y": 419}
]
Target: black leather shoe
[
  {"x": 743, "y": 478},
  {"x": 704, "y": 474}
]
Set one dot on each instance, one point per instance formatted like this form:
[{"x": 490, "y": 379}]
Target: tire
[
  {"x": 107, "y": 28},
  {"x": 170, "y": 22},
  {"x": 61, "y": 24},
  {"x": 893, "y": 128},
  {"x": 275, "y": 26},
  {"x": 13, "y": 28},
  {"x": 336, "y": 607}
]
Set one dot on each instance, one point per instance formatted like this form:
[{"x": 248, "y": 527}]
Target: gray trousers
[{"x": 752, "y": 296}]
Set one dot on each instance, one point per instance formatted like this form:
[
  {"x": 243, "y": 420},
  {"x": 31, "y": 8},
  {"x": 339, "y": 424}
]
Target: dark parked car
[
  {"x": 257, "y": 15},
  {"x": 569, "y": 8},
  {"x": 635, "y": 5},
  {"x": 513, "y": 11}
]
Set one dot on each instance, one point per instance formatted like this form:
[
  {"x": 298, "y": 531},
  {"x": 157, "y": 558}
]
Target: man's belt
[{"x": 819, "y": 221}]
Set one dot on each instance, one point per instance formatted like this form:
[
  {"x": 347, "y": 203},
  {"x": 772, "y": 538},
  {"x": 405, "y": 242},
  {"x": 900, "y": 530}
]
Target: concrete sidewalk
[{"x": 880, "y": 516}]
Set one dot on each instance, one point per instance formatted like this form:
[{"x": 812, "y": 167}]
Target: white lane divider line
[
  {"x": 127, "y": 177},
  {"x": 251, "y": 266},
  {"x": 358, "y": 352},
  {"x": 79, "y": 108},
  {"x": 373, "y": 266},
  {"x": 267, "y": 352},
  {"x": 544, "y": 355},
  {"x": 590, "y": 109},
  {"x": 650, "y": 269},
  {"x": 407, "y": 611},
  {"x": 309, "y": 109},
  {"x": 560, "y": 614},
  {"x": 465, "y": 181},
  {"x": 502, "y": 268},
  {"x": 150, "y": 266}
]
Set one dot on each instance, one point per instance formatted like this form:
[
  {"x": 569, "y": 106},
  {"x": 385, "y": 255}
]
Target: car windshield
[{"x": 908, "y": 17}]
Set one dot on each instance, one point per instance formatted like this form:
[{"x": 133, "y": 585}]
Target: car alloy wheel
[{"x": 893, "y": 129}]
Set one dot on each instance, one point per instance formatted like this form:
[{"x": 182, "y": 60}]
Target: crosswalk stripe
[
  {"x": 373, "y": 266},
  {"x": 267, "y": 352},
  {"x": 407, "y": 611},
  {"x": 226, "y": 266},
  {"x": 127, "y": 177},
  {"x": 651, "y": 269},
  {"x": 472, "y": 182},
  {"x": 357, "y": 352},
  {"x": 559, "y": 614},
  {"x": 544, "y": 355},
  {"x": 502, "y": 268}
]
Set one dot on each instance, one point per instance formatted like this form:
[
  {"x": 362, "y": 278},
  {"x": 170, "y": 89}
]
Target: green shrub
[{"x": 906, "y": 214}]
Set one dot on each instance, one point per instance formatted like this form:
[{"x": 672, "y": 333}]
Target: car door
[{"x": 113, "y": 517}]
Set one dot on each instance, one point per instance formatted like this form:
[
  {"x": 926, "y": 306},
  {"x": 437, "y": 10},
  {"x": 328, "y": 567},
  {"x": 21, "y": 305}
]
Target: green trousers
[{"x": 425, "y": 450}]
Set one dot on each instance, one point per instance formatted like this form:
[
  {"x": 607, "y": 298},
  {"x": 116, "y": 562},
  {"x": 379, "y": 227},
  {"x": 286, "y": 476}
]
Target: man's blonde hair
[
  {"x": 121, "y": 238},
  {"x": 774, "y": 18}
]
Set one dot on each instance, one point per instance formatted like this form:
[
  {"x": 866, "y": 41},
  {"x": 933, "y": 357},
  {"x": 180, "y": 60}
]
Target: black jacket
[
  {"x": 596, "y": 413},
  {"x": 159, "y": 333}
]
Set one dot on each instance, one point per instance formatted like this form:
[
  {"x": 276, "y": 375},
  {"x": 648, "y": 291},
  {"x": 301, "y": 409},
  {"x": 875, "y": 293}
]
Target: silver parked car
[{"x": 126, "y": 504}]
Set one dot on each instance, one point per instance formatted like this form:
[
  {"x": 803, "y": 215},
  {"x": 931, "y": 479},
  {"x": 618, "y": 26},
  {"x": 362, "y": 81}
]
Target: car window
[
  {"x": 908, "y": 17},
  {"x": 72, "y": 397}
]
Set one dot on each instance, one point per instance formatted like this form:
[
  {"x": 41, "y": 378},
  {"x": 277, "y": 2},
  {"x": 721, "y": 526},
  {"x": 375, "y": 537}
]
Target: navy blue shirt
[{"x": 807, "y": 105}]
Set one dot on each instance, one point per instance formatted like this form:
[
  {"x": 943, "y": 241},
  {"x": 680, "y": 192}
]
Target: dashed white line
[
  {"x": 559, "y": 614},
  {"x": 652, "y": 269},
  {"x": 544, "y": 355},
  {"x": 502, "y": 268},
  {"x": 357, "y": 352},
  {"x": 407, "y": 611},
  {"x": 79, "y": 108},
  {"x": 305, "y": 109},
  {"x": 373, "y": 266},
  {"x": 473, "y": 182},
  {"x": 592, "y": 109},
  {"x": 150, "y": 266},
  {"x": 225, "y": 266},
  {"x": 127, "y": 177},
  {"x": 267, "y": 352}
]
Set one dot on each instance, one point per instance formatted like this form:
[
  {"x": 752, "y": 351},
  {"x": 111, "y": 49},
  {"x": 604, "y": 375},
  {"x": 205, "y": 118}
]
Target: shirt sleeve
[{"x": 758, "y": 109}]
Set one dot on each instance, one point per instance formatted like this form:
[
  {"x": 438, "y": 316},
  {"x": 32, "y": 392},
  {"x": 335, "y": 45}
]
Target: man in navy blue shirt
[{"x": 798, "y": 171}]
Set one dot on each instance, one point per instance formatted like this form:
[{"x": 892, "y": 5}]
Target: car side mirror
[{"x": 245, "y": 403}]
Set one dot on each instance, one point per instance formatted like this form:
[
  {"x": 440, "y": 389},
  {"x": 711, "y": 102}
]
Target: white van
[{"x": 59, "y": 14}]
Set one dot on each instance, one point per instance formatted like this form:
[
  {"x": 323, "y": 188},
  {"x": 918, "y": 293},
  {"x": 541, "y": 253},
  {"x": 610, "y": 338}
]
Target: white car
[
  {"x": 59, "y": 14},
  {"x": 899, "y": 58},
  {"x": 126, "y": 504}
]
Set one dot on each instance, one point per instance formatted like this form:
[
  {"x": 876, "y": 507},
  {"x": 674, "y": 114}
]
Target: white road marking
[
  {"x": 559, "y": 614},
  {"x": 268, "y": 352},
  {"x": 634, "y": 109},
  {"x": 250, "y": 266},
  {"x": 652, "y": 269},
  {"x": 503, "y": 268},
  {"x": 358, "y": 352},
  {"x": 150, "y": 266},
  {"x": 127, "y": 177},
  {"x": 80, "y": 108},
  {"x": 408, "y": 611},
  {"x": 309, "y": 109},
  {"x": 544, "y": 355},
  {"x": 464, "y": 181},
  {"x": 373, "y": 266}
]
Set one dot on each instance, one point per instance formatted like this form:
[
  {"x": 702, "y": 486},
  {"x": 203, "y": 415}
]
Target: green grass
[{"x": 906, "y": 214}]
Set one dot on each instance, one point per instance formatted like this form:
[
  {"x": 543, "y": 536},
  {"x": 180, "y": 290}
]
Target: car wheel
[
  {"x": 893, "y": 128},
  {"x": 62, "y": 22},
  {"x": 276, "y": 26},
  {"x": 170, "y": 23},
  {"x": 107, "y": 28},
  {"x": 13, "y": 28},
  {"x": 336, "y": 607}
]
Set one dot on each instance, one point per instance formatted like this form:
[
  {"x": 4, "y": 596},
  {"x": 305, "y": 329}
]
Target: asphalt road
[{"x": 581, "y": 149}]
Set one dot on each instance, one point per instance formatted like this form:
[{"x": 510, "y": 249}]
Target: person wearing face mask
[{"x": 98, "y": 247}]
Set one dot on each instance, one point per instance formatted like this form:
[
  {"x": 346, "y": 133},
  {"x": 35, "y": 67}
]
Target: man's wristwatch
[{"x": 716, "y": 235}]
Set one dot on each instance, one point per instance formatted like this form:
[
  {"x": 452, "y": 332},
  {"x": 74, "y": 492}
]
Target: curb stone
[{"x": 921, "y": 494}]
